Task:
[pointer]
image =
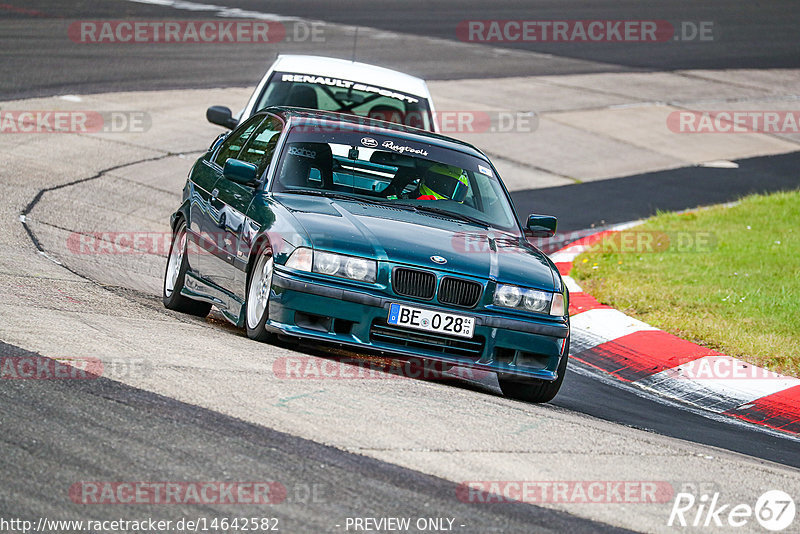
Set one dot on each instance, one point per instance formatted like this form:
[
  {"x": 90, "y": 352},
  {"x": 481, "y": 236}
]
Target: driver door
[
  {"x": 205, "y": 214},
  {"x": 232, "y": 199}
]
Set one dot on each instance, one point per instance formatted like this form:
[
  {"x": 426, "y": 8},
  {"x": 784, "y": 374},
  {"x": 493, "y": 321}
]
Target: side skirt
[{"x": 200, "y": 289}]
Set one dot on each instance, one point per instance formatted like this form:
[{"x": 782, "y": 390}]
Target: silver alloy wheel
[
  {"x": 260, "y": 287},
  {"x": 175, "y": 261}
]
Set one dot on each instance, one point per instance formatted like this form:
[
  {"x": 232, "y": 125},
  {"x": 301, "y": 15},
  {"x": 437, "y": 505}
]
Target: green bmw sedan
[{"x": 373, "y": 236}]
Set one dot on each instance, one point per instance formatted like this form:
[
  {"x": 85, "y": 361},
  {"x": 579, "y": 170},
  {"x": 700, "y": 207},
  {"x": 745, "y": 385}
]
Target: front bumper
[{"x": 309, "y": 308}]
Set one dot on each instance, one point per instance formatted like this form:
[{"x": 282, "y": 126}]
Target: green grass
[{"x": 727, "y": 278}]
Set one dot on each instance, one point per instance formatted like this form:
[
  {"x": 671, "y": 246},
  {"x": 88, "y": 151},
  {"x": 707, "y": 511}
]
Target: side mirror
[
  {"x": 542, "y": 225},
  {"x": 222, "y": 116},
  {"x": 240, "y": 172}
]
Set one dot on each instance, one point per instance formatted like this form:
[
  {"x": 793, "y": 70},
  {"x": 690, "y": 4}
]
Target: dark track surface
[
  {"x": 625, "y": 405},
  {"x": 635, "y": 197},
  {"x": 747, "y": 35},
  {"x": 587, "y": 395},
  {"x": 57, "y": 433},
  {"x": 39, "y": 58},
  {"x": 164, "y": 440}
]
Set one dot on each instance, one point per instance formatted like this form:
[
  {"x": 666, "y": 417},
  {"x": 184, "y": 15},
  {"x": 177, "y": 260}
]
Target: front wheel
[
  {"x": 534, "y": 390},
  {"x": 175, "y": 276},
  {"x": 259, "y": 288}
]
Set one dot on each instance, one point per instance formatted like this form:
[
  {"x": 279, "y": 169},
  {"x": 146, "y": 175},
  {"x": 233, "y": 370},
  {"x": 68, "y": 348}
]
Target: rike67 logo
[{"x": 774, "y": 511}]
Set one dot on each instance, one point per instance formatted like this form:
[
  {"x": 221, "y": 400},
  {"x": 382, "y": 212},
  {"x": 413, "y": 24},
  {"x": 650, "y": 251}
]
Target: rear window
[{"x": 345, "y": 96}]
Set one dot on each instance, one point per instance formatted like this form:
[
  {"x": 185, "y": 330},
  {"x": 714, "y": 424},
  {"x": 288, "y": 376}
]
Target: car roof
[
  {"x": 313, "y": 117},
  {"x": 353, "y": 71}
]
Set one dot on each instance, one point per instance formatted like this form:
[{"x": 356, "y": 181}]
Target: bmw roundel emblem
[{"x": 438, "y": 259}]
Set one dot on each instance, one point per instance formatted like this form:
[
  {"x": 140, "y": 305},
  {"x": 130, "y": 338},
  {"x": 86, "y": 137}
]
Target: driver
[{"x": 439, "y": 182}]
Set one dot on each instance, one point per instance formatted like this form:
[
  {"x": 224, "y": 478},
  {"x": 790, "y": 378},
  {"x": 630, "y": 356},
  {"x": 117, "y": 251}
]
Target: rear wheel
[
  {"x": 259, "y": 287},
  {"x": 175, "y": 276},
  {"x": 534, "y": 390}
]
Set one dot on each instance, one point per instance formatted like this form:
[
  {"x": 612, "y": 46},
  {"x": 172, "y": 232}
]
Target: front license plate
[{"x": 431, "y": 321}]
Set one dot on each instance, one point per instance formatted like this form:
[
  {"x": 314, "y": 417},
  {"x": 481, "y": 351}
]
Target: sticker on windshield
[
  {"x": 484, "y": 170},
  {"x": 369, "y": 142},
  {"x": 402, "y": 149},
  {"x": 319, "y": 80},
  {"x": 347, "y": 84},
  {"x": 302, "y": 152}
]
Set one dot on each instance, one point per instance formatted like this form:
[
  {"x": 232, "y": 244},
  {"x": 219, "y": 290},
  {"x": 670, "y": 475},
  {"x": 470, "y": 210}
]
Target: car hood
[{"x": 413, "y": 238}]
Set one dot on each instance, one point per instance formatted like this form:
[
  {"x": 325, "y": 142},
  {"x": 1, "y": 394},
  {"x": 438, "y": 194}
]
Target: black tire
[
  {"x": 534, "y": 390},
  {"x": 175, "y": 275},
  {"x": 222, "y": 220},
  {"x": 256, "y": 309}
]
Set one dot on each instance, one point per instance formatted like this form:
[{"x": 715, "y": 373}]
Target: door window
[
  {"x": 236, "y": 140},
  {"x": 261, "y": 144}
]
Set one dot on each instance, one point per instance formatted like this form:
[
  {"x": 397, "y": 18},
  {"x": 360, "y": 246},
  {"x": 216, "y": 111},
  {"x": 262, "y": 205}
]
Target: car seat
[{"x": 302, "y": 96}]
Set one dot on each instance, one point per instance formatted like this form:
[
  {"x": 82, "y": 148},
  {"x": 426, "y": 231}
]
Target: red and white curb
[{"x": 635, "y": 352}]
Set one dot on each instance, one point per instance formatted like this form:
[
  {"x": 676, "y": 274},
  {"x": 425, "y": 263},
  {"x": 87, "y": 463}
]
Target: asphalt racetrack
[{"x": 200, "y": 401}]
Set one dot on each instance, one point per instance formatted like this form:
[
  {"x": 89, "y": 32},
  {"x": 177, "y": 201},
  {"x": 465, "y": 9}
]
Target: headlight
[
  {"x": 536, "y": 301},
  {"x": 304, "y": 259},
  {"x": 327, "y": 263},
  {"x": 532, "y": 300},
  {"x": 350, "y": 267},
  {"x": 359, "y": 269},
  {"x": 507, "y": 296}
]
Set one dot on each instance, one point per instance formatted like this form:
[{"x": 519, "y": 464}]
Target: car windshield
[
  {"x": 345, "y": 96},
  {"x": 405, "y": 173}
]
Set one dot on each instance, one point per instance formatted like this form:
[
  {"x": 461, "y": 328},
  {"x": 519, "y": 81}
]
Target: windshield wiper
[
  {"x": 323, "y": 193},
  {"x": 342, "y": 196},
  {"x": 451, "y": 214},
  {"x": 317, "y": 192}
]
